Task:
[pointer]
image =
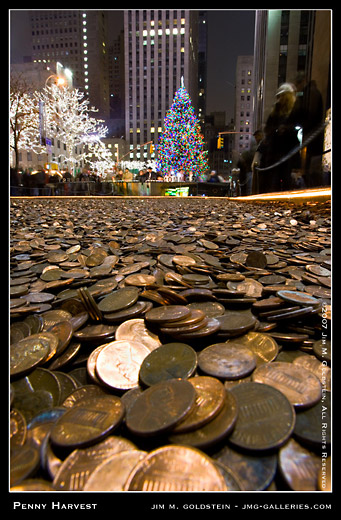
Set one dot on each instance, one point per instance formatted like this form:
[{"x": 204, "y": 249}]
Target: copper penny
[
  {"x": 167, "y": 313},
  {"x": 175, "y": 468},
  {"x": 169, "y": 361},
  {"x": 161, "y": 407},
  {"x": 301, "y": 387},
  {"x": 227, "y": 360},
  {"x": 88, "y": 422},
  {"x": 76, "y": 469},
  {"x": 118, "y": 364},
  {"x": 209, "y": 401},
  {"x": 215, "y": 430},
  {"x": 112, "y": 474},
  {"x": 136, "y": 330},
  {"x": 266, "y": 418},
  {"x": 299, "y": 467}
]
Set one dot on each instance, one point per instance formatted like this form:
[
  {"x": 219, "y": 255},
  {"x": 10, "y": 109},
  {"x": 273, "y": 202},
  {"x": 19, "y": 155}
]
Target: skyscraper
[
  {"x": 160, "y": 49},
  {"x": 244, "y": 103},
  {"x": 77, "y": 39}
]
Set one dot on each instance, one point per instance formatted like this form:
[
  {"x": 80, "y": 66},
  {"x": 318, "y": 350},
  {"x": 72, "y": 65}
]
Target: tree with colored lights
[{"x": 181, "y": 145}]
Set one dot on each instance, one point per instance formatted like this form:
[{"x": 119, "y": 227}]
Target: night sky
[{"x": 230, "y": 34}]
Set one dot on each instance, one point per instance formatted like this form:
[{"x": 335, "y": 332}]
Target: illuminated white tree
[{"x": 67, "y": 119}]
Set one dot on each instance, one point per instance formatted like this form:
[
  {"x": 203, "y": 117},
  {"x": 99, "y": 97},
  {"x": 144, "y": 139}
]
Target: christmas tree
[{"x": 181, "y": 145}]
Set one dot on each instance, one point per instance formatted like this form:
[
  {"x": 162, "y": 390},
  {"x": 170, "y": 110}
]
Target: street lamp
[{"x": 60, "y": 81}]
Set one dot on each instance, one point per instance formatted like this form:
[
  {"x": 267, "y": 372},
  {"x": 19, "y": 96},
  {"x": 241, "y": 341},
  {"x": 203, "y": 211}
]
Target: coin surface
[
  {"x": 235, "y": 323},
  {"x": 175, "y": 468},
  {"x": 28, "y": 353},
  {"x": 301, "y": 298},
  {"x": 169, "y": 361},
  {"x": 309, "y": 423},
  {"x": 227, "y": 360},
  {"x": 167, "y": 313},
  {"x": 161, "y": 407},
  {"x": 266, "y": 418},
  {"x": 119, "y": 300},
  {"x": 215, "y": 430},
  {"x": 136, "y": 330},
  {"x": 254, "y": 471},
  {"x": 76, "y": 469},
  {"x": 264, "y": 347},
  {"x": 88, "y": 422},
  {"x": 301, "y": 387},
  {"x": 118, "y": 363},
  {"x": 299, "y": 467},
  {"x": 210, "y": 398},
  {"x": 112, "y": 474}
]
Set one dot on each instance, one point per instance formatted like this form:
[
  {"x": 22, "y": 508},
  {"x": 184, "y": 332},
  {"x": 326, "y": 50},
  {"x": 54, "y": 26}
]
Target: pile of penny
[{"x": 170, "y": 345}]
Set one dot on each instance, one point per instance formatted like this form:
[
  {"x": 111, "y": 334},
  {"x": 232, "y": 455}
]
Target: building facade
[
  {"x": 243, "y": 104},
  {"x": 77, "y": 39},
  {"x": 161, "y": 47}
]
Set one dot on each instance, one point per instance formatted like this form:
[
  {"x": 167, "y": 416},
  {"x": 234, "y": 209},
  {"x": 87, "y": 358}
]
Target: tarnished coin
[
  {"x": 321, "y": 371},
  {"x": 88, "y": 422},
  {"x": 301, "y": 387},
  {"x": 314, "y": 423},
  {"x": 322, "y": 349},
  {"x": 83, "y": 392},
  {"x": 54, "y": 316},
  {"x": 169, "y": 361},
  {"x": 266, "y": 418},
  {"x": 76, "y": 469},
  {"x": 234, "y": 323},
  {"x": 196, "y": 316},
  {"x": 175, "y": 468},
  {"x": 255, "y": 472},
  {"x": 299, "y": 467},
  {"x": 211, "y": 327},
  {"x": 140, "y": 280},
  {"x": 118, "y": 364},
  {"x": 24, "y": 463},
  {"x": 95, "y": 333},
  {"x": 28, "y": 353},
  {"x": 227, "y": 360},
  {"x": 161, "y": 407},
  {"x": 215, "y": 430},
  {"x": 210, "y": 398},
  {"x": 112, "y": 474},
  {"x": 119, "y": 299},
  {"x": 167, "y": 313},
  {"x": 126, "y": 314},
  {"x": 211, "y": 309},
  {"x": 264, "y": 347},
  {"x": 63, "y": 330},
  {"x": 18, "y": 429},
  {"x": 136, "y": 330},
  {"x": 301, "y": 298}
]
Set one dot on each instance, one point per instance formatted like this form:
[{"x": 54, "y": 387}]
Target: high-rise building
[
  {"x": 160, "y": 49},
  {"x": 202, "y": 66},
  {"x": 78, "y": 40},
  {"x": 287, "y": 42},
  {"x": 243, "y": 104}
]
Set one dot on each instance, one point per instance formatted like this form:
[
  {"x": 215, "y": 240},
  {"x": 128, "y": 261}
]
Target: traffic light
[
  {"x": 220, "y": 143},
  {"x": 151, "y": 149}
]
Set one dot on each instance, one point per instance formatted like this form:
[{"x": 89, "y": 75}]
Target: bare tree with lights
[{"x": 67, "y": 118}]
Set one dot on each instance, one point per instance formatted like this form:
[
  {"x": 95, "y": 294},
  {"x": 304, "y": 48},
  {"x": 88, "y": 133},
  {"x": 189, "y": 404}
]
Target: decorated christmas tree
[{"x": 181, "y": 145}]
